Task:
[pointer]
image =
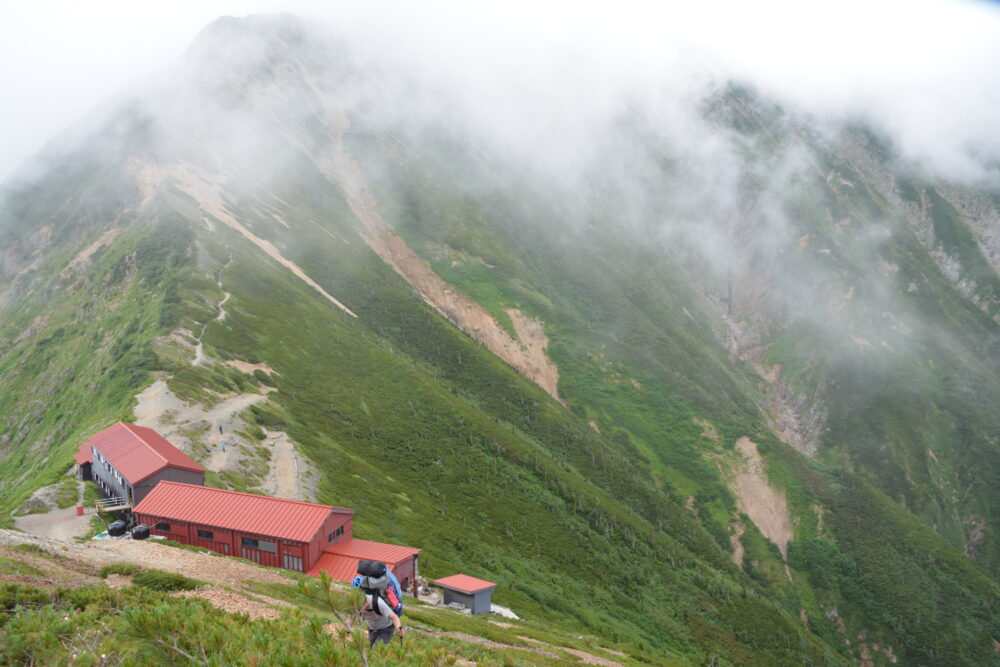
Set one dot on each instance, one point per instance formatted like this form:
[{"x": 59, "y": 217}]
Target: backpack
[{"x": 376, "y": 577}]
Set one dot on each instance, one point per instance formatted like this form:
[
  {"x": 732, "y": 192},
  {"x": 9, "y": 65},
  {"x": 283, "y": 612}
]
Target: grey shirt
[{"x": 376, "y": 621}]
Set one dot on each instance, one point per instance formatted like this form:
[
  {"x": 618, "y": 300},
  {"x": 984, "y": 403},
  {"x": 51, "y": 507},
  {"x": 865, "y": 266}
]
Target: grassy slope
[
  {"x": 437, "y": 443},
  {"x": 441, "y": 445},
  {"x": 76, "y": 346},
  {"x": 605, "y": 331}
]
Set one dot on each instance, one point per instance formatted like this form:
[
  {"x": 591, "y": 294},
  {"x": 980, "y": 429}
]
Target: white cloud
[{"x": 925, "y": 70}]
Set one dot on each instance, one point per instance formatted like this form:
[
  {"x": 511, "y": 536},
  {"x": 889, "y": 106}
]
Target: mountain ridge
[{"x": 638, "y": 464}]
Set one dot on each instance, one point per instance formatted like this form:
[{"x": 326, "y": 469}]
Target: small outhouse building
[{"x": 475, "y": 594}]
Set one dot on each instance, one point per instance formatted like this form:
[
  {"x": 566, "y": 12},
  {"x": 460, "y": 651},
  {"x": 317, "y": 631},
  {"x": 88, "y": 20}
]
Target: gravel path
[
  {"x": 235, "y": 603},
  {"x": 58, "y": 524},
  {"x": 149, "y": 554}
]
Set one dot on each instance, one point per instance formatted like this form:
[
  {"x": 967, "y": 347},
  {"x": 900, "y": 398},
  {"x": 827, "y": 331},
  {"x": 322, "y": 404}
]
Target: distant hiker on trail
[
  {"x": 377, "y": 610},
  {"x": 220, "y": 429}
]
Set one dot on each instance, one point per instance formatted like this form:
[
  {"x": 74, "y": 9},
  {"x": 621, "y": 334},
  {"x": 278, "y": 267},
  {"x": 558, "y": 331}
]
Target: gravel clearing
[
  {"x": 235, "y": 603},
  {"x": 149, "y": 554}
]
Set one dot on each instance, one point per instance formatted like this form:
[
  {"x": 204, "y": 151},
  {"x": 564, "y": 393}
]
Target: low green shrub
[
  {"x": 30, "y": 548},
  {"x": 67, "y": 493},
  {"x": 127, "y": 569},
  {"x": 158, "y": 580}
]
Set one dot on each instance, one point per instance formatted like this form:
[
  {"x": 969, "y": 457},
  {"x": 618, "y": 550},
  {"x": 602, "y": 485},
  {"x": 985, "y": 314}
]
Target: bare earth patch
[
  {"x": 526, "y": 355},
  {"x": 287, "y": 469},
  {"x": 235, "y": 603},
  {"x": 735, "y": 542},
  {"x": 149, "y": 554},
  {"x": 161, "y": 410},
  {"x": 472, "y": 639},
  {"x": 118, "y": 580},
  {"x": 290, "y": 474},
  {"x": 708, "y": 430},
  {"x": 585, "y": 658},
  {"x": 248, "y": 368},
  {"x": 60, "y": 524},
  {"x": 755, "y": 497},
  {"x": 199, "y": 187},
  {"x": 83, "y": 257}
]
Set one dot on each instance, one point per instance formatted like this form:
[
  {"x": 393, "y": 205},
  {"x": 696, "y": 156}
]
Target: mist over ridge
[{"x": 543, "y": 297}]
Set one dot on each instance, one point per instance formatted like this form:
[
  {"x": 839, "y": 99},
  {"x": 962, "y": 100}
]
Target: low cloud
[{"x": 925, "y": 72}]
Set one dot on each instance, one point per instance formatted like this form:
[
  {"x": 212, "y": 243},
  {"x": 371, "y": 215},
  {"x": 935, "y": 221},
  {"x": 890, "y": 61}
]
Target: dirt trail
[
  {"x": 290, "y": 475},
  {"x": 199, "y": 186},
  {"x": 527, "y": 355},
  {"x": 582, "y": 656},
  {"x": 160, "y": 410},
  {"x": 755, "y": 497},
  {"x": 283, "y": 479},
  {"x": 199, "y": 350},
  {"x": 149, "y": 554}
]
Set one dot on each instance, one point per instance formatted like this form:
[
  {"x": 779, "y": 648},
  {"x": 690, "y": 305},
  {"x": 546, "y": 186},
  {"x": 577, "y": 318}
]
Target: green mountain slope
[{"x": 624, "y": 510}]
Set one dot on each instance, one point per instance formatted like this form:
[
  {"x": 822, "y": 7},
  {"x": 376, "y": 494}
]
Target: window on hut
[
  {"x": 206, "y": 535},
  {"x": 263, "y": 545},
  {"x": 165, "y": 527}
]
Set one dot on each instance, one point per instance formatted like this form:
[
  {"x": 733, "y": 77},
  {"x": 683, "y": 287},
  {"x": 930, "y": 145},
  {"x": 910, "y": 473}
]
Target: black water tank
[
  {"x": 140, "y": 532},
  {"x": 116, "y": 529}
]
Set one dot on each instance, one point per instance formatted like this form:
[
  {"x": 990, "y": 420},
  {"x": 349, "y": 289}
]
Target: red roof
[
  {"x": 82, "y": 455},
  {"x": 340, "y": 559},
  {"x": 233, "y": 510},
  {"x": 463, "y": 583},
  {"x": 138, "y": 452}
]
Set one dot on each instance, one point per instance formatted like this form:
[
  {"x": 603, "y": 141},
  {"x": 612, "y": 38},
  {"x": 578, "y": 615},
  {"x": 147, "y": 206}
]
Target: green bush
[
  {"x": 67, "y": 493},
  {"x": 158, "y": 580},
  {"x": 127, "y": 569}
]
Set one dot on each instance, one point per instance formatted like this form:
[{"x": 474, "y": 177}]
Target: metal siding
[
  {"x": 142, "y": 489},
  {"x": 481, "y": 601},
  {"x": 462, "y": 598},
  {"x": 115, "y": 488},
  {"x": 245, "y": 512},
  {"x": 167, "y": 474},
  {"x": 313, "y": 553},
  {"x": 404, "y": 570}
]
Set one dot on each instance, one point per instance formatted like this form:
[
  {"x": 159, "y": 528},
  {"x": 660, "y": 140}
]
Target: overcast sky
[{"x": 928, "y": 71}]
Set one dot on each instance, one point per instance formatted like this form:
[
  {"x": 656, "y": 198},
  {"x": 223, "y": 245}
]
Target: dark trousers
[{"x": 384, "y": 635}]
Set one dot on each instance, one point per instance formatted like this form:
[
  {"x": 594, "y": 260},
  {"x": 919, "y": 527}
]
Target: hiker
[
  {"x": 383, "y": 623},
  {"x": 382, "y": 606}
]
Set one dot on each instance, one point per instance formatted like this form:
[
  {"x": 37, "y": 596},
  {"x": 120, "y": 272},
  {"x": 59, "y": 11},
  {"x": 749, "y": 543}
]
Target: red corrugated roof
[
  {"x": 340, "y": 559},
  {"x": 340, "y": 568},
  {"x": 233, "y": 510},
  {"x": 82, "y": 455},
  {"x": 464, "y": 583},
  {"x": 138, "y": 452}
]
